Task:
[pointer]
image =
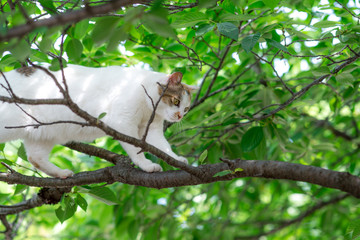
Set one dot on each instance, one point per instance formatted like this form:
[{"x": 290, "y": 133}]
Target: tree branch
[
  {"x": 8, "y": 227},
  {"x": 45, "y": 196},
  {"x": 67, "y": 18},
  {"x": 125, "y": 173},
  {"x": 298, "y": 219}
]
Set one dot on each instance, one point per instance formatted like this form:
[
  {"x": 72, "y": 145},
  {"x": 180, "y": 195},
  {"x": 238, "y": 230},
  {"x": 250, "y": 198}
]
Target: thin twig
[
  {"x": 8, "y": 227},
  {"x": 154, "y": 107},
  {"x": 352, "y": 14},
  {"x": 8, "y": 167}
]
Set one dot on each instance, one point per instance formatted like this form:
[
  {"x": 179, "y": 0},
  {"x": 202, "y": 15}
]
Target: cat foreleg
[
  {"x": 156, "y": 137},
  {"x": 38, "y": 155},
  {"x": 139, "y": 158}
]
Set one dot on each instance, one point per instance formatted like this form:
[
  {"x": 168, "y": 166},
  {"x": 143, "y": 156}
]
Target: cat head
[{"x": 176, "y": 99}]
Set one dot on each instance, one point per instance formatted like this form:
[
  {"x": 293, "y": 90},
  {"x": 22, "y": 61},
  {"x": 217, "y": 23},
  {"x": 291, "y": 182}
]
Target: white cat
[{"x": 117, "y": 91}]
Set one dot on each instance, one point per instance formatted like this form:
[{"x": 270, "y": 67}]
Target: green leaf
[
  {"x": 81, "y": 202},
  {"x": 159, "y": 25},
  {"x": 276, "y": 44},
  {"x": 189, "y": 19},
  {"x": 7, "y": 60},
  {"x": 256, "y": 5},
  {"x": 238, "y": 170},
  {"x": 2, "y": 146},
  {"x": 81, "y": 29},
  {"x": 20, "y": 188},
  {"x": 119, "y": 35},
  {"x": 271, "y": 3},
  {"x": 203, "y": 156},
  {"x": 299, "y": 34},
  {"x": 350, "y": 68},
  {"x": 74, "y": 49},
  {"x": 354, "y": 229},
  {"x": 46, "y": 44},
  {"x": 104, "y": 195},
  {"x": 48, "y": 6},
  {"x": 207, "y": 3},
  {"x": 21, "y": 152},
  {"x": 321, "y": 71},
  {"x": 281, "y": 135},
  {"x": 252, "y": 139},
  {"x": 88, "y": 43},
  {"x": 55, "y": 65},
  {"x": 102, "y": 115},
  {"x": 103, "y": 29},
  {"x": 229, "y": 30},
  {"x": 21, "y": 50},
  {"x": 228, "y": 5},
  {"x": 325, "y": 147},
  {"x": 249, "y": 42},
  {"x": 223, "y": 173},
  {"x": 239, "y": 17},
  {"x": 345, "y": 78},
  {"x": 231, "y": 120},
  {"x": 66, "y": 210},
  {"x": 203, "y": 29},
  {"x": 325, "y": 24},
  {"x": 39, "y": 56}
]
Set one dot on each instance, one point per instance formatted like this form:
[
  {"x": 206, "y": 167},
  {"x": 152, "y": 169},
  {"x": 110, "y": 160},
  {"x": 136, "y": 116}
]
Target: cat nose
[{"x": 178, "y": 115}]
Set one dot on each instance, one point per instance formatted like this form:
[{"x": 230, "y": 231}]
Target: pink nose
[{"x": 178, "y": 115}]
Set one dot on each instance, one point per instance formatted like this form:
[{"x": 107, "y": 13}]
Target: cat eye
[
  {"x": 176, "y": 102},
  {"x": 186, "y": 109}
]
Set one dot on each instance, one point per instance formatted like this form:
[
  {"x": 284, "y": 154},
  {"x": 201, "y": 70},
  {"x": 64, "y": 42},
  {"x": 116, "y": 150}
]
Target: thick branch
[
  {"x": 66, "y": 18},
  {"x": 45, "y": 196},
  {"x": 123, "y": 172}
]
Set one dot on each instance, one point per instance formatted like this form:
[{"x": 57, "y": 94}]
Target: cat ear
[
  {"x": 175, "y": 78},
  {"x": 190, "y": 88}
]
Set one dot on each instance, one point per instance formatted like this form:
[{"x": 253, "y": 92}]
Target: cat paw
[
  {"x": 182, "y": 159},
  {"x": 64, "y": 173},
  {"x": 151, "y": 167}
]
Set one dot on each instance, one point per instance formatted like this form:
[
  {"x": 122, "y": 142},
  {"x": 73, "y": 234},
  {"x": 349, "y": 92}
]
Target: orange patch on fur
[
  {"x": 173, "y": 91},
  {"x": 27, "y": 71},
  {"x": 33, "y": 162}
]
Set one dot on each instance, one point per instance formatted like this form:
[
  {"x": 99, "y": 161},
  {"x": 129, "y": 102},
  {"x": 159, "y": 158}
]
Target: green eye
[
  {"x": 176, "y": 102},
  {"x": 186, "y": 109}
]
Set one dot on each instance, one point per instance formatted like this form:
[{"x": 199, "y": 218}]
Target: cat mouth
[{"x": 175, "y": 118}]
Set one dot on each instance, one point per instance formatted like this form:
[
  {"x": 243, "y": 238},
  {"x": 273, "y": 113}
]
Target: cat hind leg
[{"x": 38, "y": 155}]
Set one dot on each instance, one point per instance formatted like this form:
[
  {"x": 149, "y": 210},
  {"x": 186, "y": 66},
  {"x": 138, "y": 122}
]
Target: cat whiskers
[{"x": 179, "y": 127}]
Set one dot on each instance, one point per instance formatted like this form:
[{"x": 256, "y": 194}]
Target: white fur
[{"x": 117, "y": 91}]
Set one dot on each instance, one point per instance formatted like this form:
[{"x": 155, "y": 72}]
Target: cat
[{"x": 126, "y": 95}]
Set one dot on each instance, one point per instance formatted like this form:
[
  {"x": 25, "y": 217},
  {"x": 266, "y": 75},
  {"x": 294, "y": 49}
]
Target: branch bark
[
  {"x": 124, "y": 172},
  {"x": 45, "y": 196},
  {"x": 68, "y": 17}
]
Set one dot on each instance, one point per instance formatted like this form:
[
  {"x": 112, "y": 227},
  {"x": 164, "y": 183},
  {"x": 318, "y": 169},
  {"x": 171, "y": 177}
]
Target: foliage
[{"x": 277, "y": 83}]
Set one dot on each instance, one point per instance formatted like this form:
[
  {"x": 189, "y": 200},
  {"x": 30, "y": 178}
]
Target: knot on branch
[
  {"x": 121, "y": 171},
  {"x": 52, "y": 195},
  {"x": 231, "y": 164}
]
